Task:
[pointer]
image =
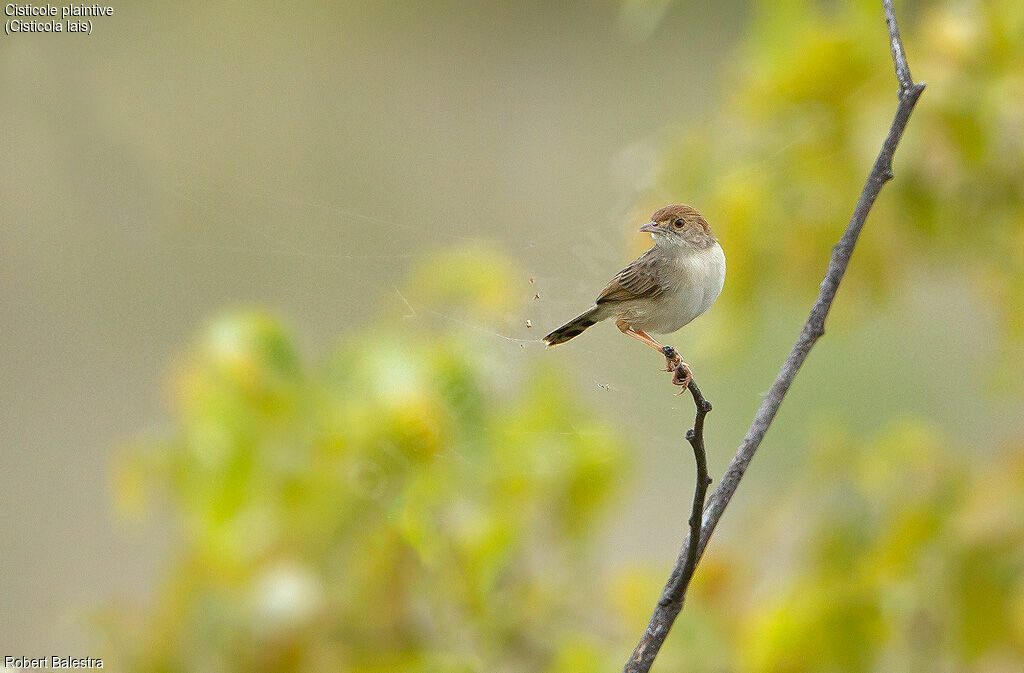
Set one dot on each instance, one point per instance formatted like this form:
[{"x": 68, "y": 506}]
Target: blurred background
[{"x": 270, "y": 398}]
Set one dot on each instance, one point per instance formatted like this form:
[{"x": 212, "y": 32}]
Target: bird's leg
[
  {"x": 639, "y": 334},
  {"x": 681, "y": 374}
]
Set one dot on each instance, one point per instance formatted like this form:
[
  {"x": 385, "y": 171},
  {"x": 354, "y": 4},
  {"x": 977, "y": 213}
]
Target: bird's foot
[
  {"x": 682, "y": 376},
  {"x": 681, "y": 373}
]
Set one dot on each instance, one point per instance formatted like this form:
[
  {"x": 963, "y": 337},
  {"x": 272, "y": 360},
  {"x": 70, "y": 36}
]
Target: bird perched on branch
[{"x": 665, "y": 288}]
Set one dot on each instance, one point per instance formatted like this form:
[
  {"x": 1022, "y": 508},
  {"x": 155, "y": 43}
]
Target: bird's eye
[{"x": 678, "y": 224}]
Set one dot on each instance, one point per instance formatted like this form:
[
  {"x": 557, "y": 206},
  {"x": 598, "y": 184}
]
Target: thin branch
[
  {"x": 696, "y": 438},
  {"x": 682, "y": 573},
  {"x": 675, "y": 590},
  {"x": 899, "y": 55}
]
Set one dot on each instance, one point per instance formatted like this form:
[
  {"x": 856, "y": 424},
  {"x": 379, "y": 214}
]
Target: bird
[{"x": 667, "y": 287}]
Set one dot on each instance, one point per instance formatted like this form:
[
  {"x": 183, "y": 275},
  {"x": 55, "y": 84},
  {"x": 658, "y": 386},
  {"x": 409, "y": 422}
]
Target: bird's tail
[{"x": 575, "y": 327}]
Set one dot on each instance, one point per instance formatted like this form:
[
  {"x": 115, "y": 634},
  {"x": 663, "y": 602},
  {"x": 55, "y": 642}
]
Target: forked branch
[{"x": 672, "y": 598}]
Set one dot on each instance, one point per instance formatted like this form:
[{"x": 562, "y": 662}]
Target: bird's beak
[{"x": 650, "y": 227}]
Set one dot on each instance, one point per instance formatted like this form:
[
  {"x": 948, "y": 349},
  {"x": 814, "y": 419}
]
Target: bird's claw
[{"x": 682, "y": 376}]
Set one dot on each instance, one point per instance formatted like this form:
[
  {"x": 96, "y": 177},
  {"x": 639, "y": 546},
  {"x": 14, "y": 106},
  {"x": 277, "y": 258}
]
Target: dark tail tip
[{"x": 570, "y": 330}]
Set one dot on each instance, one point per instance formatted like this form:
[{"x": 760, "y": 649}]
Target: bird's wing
[{"x": 639, "y": 280}]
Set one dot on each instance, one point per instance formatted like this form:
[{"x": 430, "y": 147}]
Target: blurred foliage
[
  {"x": 411, "y": 505},
  {"x": 400, "y": 508},
  {"x": 474, "y": 280},
  {"x": 806, "y": 106},
  {"x": 888, "y": 553}
]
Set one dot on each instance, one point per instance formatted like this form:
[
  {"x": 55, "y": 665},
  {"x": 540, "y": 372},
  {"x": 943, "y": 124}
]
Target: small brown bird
[{"x": 665, "y": 288}]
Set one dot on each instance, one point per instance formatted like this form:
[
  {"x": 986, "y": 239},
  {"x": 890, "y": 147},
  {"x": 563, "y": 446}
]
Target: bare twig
[
  {"x": 675, "y": 590},
  {"x": 696, "y": 438},
  {"x": 682, "y": 573},
  {"x": 899, "y": 56}
]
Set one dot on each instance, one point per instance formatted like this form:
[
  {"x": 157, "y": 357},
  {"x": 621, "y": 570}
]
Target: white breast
[
  {"x": 699, "y": 281},
  {"x": 708, "y": 269}
]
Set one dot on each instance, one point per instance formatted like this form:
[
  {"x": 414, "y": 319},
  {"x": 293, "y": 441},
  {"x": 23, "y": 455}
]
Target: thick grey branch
[{"x": 675, "y": 590}]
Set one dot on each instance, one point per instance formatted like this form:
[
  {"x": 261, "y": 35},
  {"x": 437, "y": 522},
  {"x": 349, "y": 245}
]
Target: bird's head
[{"x": 679, "y": 225}]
